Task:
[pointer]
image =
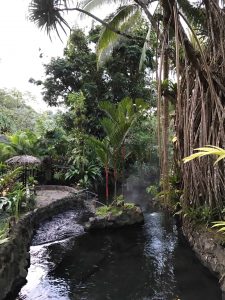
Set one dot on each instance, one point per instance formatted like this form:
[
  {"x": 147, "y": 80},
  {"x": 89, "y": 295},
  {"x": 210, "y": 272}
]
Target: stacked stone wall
[{"x": 14, "y": 250}]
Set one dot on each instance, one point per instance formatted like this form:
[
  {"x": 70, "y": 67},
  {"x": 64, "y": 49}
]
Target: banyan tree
[
  {"x": 199, "y": 58},
  {"x": 191, "y": 37},
  {"x": 200, "y": 107}
]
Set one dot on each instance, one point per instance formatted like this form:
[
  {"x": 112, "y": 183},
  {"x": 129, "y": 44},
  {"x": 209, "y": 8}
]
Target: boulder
[{"x": 127, "y": 216}]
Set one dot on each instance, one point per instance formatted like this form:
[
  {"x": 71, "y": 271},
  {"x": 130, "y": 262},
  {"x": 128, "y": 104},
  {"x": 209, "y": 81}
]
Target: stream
[{"x": 146, "y": 262}]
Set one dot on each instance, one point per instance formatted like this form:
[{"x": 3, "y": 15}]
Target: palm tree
[
  {"x": 103, "y": 152},
  {"x": 120, "y": 118},
  {"x": 200, "y": 87},
  {"x": 48, "y": 15}
]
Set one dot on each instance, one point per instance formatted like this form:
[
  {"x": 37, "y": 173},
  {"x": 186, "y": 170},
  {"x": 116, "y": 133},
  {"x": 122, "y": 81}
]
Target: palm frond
[
  {"x": 144, "y": 49},
  {"x": 146, "y": 43},
  {"x": 219, "y": 158},
  {"x": 122, "y": 21},
  {"x": 208, "y": 150},
  {"x": 89, "y": 5},
  {"x": 220, "y": 224},
  {"x": 194, "y": 14},
  {"x": 140, "y": 104},
  {"x": 108, "y": 126},
  {"x": 108, "y": 108},
  {"x": 201, "y": 40},
  {"x": 101, "y": 148},
  {"x": 46, "y": 14}
]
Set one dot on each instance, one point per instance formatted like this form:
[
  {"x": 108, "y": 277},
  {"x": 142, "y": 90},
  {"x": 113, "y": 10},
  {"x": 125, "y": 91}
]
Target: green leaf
[
  {"x": 207, "y": 150},
  {"x": 89, "y": 5},
  {"x": 122, "y": 21}
]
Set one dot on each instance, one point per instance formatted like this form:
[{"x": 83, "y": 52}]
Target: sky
[{"x": 21, "y": 43}]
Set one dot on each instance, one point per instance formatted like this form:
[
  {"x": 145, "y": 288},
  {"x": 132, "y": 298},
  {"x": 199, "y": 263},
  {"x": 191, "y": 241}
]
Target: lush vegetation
[
  {"x": 119, "y": 115},
  {"x": 15, "y": 114},
  {"x": 97, "y": 138}
]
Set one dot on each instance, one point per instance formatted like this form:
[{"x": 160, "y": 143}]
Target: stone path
[
  {"x": 50, "y": 194},
  {"x": 45, "y": 197}
]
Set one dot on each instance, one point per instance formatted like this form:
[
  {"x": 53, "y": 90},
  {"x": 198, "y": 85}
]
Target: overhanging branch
[{"x": 129, "y": 36}]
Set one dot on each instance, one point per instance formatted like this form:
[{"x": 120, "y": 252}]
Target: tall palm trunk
[
  {"x": 115, "y": 179},
  {"x": 107, "y": 184}
]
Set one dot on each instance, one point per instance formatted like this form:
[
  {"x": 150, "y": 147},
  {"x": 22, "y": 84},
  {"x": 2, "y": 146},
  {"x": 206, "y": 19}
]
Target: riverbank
[
  {"x": 148, "y": 261},
  {"x": 14, "y": 250},
  {"x": 209, "y": 249}
]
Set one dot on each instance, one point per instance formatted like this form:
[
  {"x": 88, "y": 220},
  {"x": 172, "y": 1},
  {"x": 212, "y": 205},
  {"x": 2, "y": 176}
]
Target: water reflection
[
  {"x": 149, "y": 262},
  {"x": 161, "y": 239}
]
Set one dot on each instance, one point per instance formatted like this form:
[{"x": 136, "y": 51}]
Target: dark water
[{"x": 147, "y": 262}]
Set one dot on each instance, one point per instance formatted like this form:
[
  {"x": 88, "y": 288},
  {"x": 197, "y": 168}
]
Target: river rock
[
  {"x": 127, "y": 217},
  {"x": 208, "y": 248}
]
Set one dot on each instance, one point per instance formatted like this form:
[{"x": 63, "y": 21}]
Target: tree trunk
[
  {"x": 107, "y": 184},
  {"x": 165, "y": 110},
  {"x": 165, "y": 133}
]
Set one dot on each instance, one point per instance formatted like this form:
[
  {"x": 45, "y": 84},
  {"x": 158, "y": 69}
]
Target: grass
[{"x": 103, "y": 211}]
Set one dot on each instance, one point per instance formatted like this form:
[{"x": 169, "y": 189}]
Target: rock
[
  {"x": 208, "y": 250},
  {"x": 87, "y": 226},
  {"x": 91, "y": 220},
  {"x": 14, "y": 250},
  {"x": 128, "y": 216},
  {"x": 23, "y": 273},
  {"x": 138, "y": 209},
  {"x": 111, "y": 217}
]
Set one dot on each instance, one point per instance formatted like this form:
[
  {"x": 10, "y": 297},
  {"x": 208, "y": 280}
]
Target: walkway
[
  {"x": 49, "y": 194},
  {"x": 45, "y": 197}
]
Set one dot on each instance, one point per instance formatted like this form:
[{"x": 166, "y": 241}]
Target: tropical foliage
[
  {"x": 179, "y": 39},
  {"x": 76, "y": 72},
  {"x": 208, "y": 150},
  {"x": 112, "y": 150},
  {"x": 15, "y": 114}
]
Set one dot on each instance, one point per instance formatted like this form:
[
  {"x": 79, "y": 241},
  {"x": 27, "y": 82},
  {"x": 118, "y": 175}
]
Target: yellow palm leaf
[
  {"x": 207, "y": 150},
  {"x": 219, "y": 158}
]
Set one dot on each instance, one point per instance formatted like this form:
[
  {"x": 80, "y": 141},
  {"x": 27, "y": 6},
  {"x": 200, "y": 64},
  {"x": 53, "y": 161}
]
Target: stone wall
[
  {"x": 57, "y": 188},
  {"x": 14, "y": 251},
  {"x": 208, "y": 249}
]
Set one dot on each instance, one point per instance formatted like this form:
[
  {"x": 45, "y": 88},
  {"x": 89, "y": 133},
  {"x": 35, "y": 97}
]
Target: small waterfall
[{"x": 60, "y": 227}]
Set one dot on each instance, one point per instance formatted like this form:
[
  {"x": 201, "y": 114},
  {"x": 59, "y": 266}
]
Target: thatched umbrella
[
  {"x": 27, "y": 161},
  {"x": 23, "y": 160}
]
